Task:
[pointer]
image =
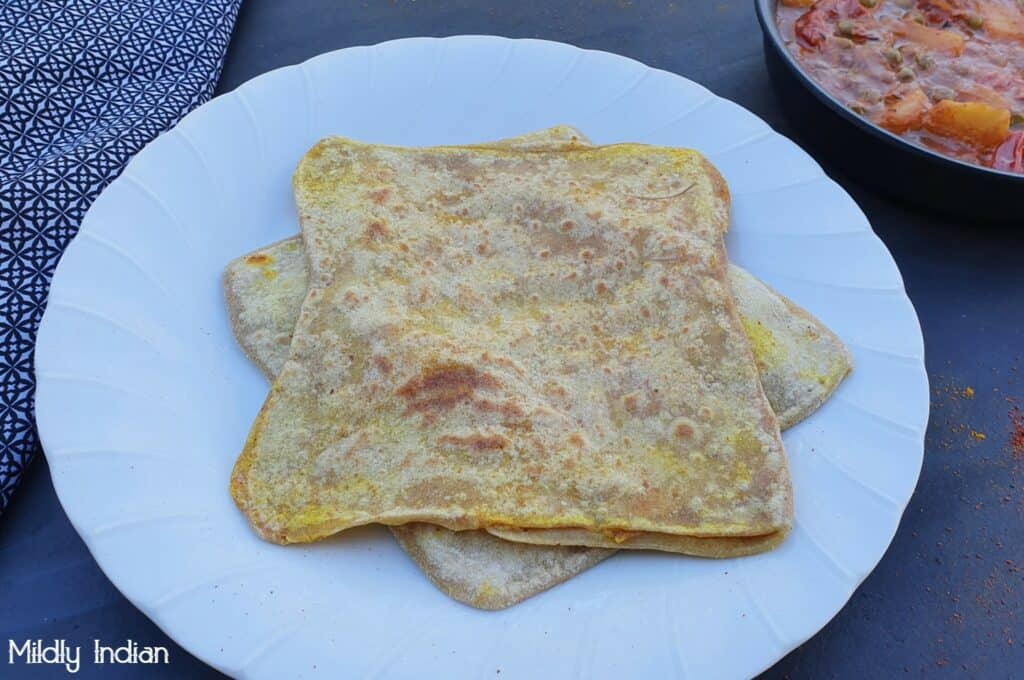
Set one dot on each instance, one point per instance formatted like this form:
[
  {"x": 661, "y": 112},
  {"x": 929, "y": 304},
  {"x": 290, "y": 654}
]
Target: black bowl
[{"x": 878, "y": 158}]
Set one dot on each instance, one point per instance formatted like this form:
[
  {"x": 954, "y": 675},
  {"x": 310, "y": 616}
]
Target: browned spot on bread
[
  {"x": 476, "y": 442},
  {"x": 508, "y": 408},
  {"x": 377, "y": 231},
  {"x": 568, "y": 225},
  {"x": 383, "y": 364},
  {"x": 441, "y": 388},
  {"x": 641, "y": 403},
  {"x": 576, "y": 440},
  {"x": 683, "y": 429},
  {"x": 379, "y": 196},
  {"x": 259, "y": 259},
  {"x": 553, "y": 389}
]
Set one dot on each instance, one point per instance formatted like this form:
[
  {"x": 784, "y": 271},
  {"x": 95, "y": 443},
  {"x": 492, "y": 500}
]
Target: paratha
[
  {"x": 487, "y": 572},
  {"x": 799, "y": 359},
  {"x": 657, "y": 414},
  {"x": 265, "y": 289}
]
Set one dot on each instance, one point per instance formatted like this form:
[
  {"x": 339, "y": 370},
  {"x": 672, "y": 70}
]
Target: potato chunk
[
  {"x": 972, "y": 122},
  {"x": 933, "y": 38},
  {"x": 904, "y": 112},
  {"x": 1001, "y": 22}
]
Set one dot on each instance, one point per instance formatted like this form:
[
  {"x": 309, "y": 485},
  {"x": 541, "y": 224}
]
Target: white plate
[{"x": 144, "y": 400}]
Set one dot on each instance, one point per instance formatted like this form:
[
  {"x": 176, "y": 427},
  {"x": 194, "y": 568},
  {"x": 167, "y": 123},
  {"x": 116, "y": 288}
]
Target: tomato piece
[
  {"x": 941, "y": 11},
  {"x": 1010, "y": 154},
  {"x": 816, "y": 24},
  {"x": 942, "y": 5},
  {"x": 812, "y": 27}
]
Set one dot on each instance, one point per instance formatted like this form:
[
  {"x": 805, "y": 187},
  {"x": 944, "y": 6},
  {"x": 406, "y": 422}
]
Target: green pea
[
  {"x": 857, "y": 107},
  {"x": 869, "y": 95},
  {"x": 905, "y": 74},
  {"x": 975, "y": 22},
  {"x": 1017, "y": 119},
  {"x": 846, "y": 28},
  {"x": 870, "y": 4},
  {"x": 845, "y": 43},
  {"x": 892, "y": 56},
  {"x": 925, "y": 61}
]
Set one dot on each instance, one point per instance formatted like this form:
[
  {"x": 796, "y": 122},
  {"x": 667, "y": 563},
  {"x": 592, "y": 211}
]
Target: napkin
[{"x": 84, "y": 84}]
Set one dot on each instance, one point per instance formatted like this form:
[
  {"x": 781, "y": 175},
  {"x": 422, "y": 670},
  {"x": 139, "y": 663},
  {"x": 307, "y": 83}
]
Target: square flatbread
[{"x": 565, "y": 353}]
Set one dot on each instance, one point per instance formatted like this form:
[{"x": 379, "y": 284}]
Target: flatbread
[
  {"x": 633, "y": 241},
  {"x": 799, "y": 359},
  {"x": 487, "y": 572},
  {"x": 265, "y": 289}
]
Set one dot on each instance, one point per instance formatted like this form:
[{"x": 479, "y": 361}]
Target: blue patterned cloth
[{"x": 84, "y": 84}]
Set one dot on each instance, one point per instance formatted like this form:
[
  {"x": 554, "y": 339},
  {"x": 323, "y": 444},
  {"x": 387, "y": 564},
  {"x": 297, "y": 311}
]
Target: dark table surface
[{"x": 948, "y": 597}]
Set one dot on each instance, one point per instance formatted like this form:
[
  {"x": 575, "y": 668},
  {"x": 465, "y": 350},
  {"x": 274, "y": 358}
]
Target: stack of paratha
[{"x": 520, "y": 356}]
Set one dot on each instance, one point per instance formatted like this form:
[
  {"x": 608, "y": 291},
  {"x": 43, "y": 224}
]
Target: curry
[{"x": 947, "y": 75}]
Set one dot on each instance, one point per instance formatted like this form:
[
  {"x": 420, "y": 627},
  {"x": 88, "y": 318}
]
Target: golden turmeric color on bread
[{"x": 563, "y": 353}]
